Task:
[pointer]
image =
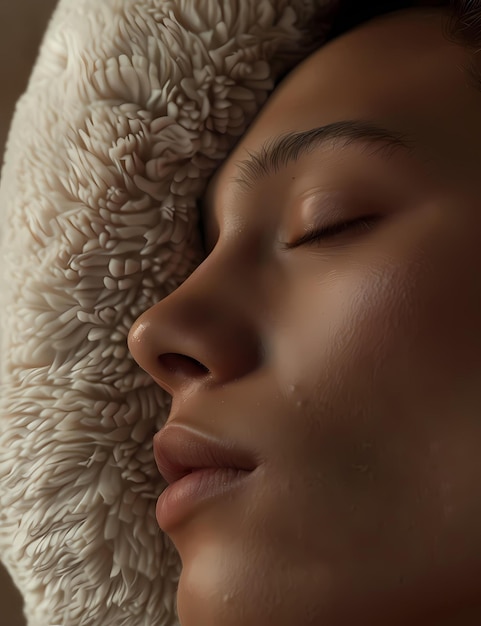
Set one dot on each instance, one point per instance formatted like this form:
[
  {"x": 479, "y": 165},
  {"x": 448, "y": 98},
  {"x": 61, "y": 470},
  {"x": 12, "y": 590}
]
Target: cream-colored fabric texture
[{"x": 130, "y": 107}]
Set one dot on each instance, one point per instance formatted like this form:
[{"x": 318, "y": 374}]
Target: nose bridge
[
  {"x": 220, "y": 289},
  {"x": 221, "y": 276},
  {"x": 208, "y": 323}
]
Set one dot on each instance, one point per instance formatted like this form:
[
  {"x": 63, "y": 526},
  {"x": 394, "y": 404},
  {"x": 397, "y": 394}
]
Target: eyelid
[{"x": 333, "y": 230}]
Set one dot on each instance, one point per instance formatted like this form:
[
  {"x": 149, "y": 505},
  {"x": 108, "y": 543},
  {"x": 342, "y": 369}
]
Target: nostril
[{"x": 182, "y": 365}]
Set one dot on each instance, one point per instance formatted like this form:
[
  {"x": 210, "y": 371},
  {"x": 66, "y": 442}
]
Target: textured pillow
[{"x": 131, "y": 106}]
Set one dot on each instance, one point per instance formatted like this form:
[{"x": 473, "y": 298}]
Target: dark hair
[
  {"x": 465, "y": 28},
  {"x": 346, "y": 14},
  {"x": 464, "y": 24}
]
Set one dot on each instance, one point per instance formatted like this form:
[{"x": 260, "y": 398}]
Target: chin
[
  {"x": 213, "y": 588},
  {"x": 234, "y": 585}
]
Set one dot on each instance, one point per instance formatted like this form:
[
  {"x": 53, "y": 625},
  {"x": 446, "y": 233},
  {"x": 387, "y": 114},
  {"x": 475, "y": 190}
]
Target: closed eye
[{"x": 314, "y": 237}]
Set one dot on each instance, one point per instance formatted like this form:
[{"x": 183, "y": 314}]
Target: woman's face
[{"x": 347, "y": 363}]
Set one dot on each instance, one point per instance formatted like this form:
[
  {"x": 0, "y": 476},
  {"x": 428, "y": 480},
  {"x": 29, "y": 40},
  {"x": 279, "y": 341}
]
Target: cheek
[
  {"x": 385, "y": 354},
  {"x": 344, "y": 320},
  {"x": 404, "y": 317}
]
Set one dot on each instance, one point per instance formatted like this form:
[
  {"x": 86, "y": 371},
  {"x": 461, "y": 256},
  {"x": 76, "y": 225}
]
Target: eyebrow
[{"x": 278, "y": 152}]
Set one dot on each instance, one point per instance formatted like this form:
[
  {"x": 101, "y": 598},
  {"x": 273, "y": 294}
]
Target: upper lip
[{"x": 179, "y": 450}]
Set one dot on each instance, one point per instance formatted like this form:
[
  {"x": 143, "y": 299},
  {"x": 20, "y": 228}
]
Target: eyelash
[{"x": 365, "y": 223}]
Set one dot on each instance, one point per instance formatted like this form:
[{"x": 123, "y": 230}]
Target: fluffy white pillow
[{"x": 130, "y": 107}]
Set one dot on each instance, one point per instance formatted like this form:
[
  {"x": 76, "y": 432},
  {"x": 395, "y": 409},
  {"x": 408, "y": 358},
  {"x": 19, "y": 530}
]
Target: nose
[{"x": 203, "y": 332}]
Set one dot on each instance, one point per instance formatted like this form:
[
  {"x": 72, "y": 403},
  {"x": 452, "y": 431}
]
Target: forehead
[{"x": 398, "y": 71}]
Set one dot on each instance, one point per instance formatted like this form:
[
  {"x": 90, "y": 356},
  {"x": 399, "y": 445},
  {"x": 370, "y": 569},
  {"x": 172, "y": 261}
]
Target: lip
[{"x": 198, "y": 468}]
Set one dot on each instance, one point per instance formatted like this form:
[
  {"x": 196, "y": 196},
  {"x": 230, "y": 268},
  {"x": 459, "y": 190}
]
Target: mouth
[{"x": 197, "y": 469}]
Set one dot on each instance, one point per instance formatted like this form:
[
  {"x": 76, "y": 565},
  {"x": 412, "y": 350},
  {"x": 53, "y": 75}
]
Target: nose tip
[
  {"x": 169, "y": 369},
  {"x": 181, "y": 341}
]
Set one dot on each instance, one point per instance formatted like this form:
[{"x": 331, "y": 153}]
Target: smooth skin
[{"x": 350, "y": 365}]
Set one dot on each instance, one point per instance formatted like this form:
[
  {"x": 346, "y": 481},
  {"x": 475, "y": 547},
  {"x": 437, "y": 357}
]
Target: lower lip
[{"x": 180, "y": 498}]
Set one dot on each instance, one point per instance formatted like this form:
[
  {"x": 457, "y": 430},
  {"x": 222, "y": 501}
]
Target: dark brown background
[{"x": 22, "y": 23}]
